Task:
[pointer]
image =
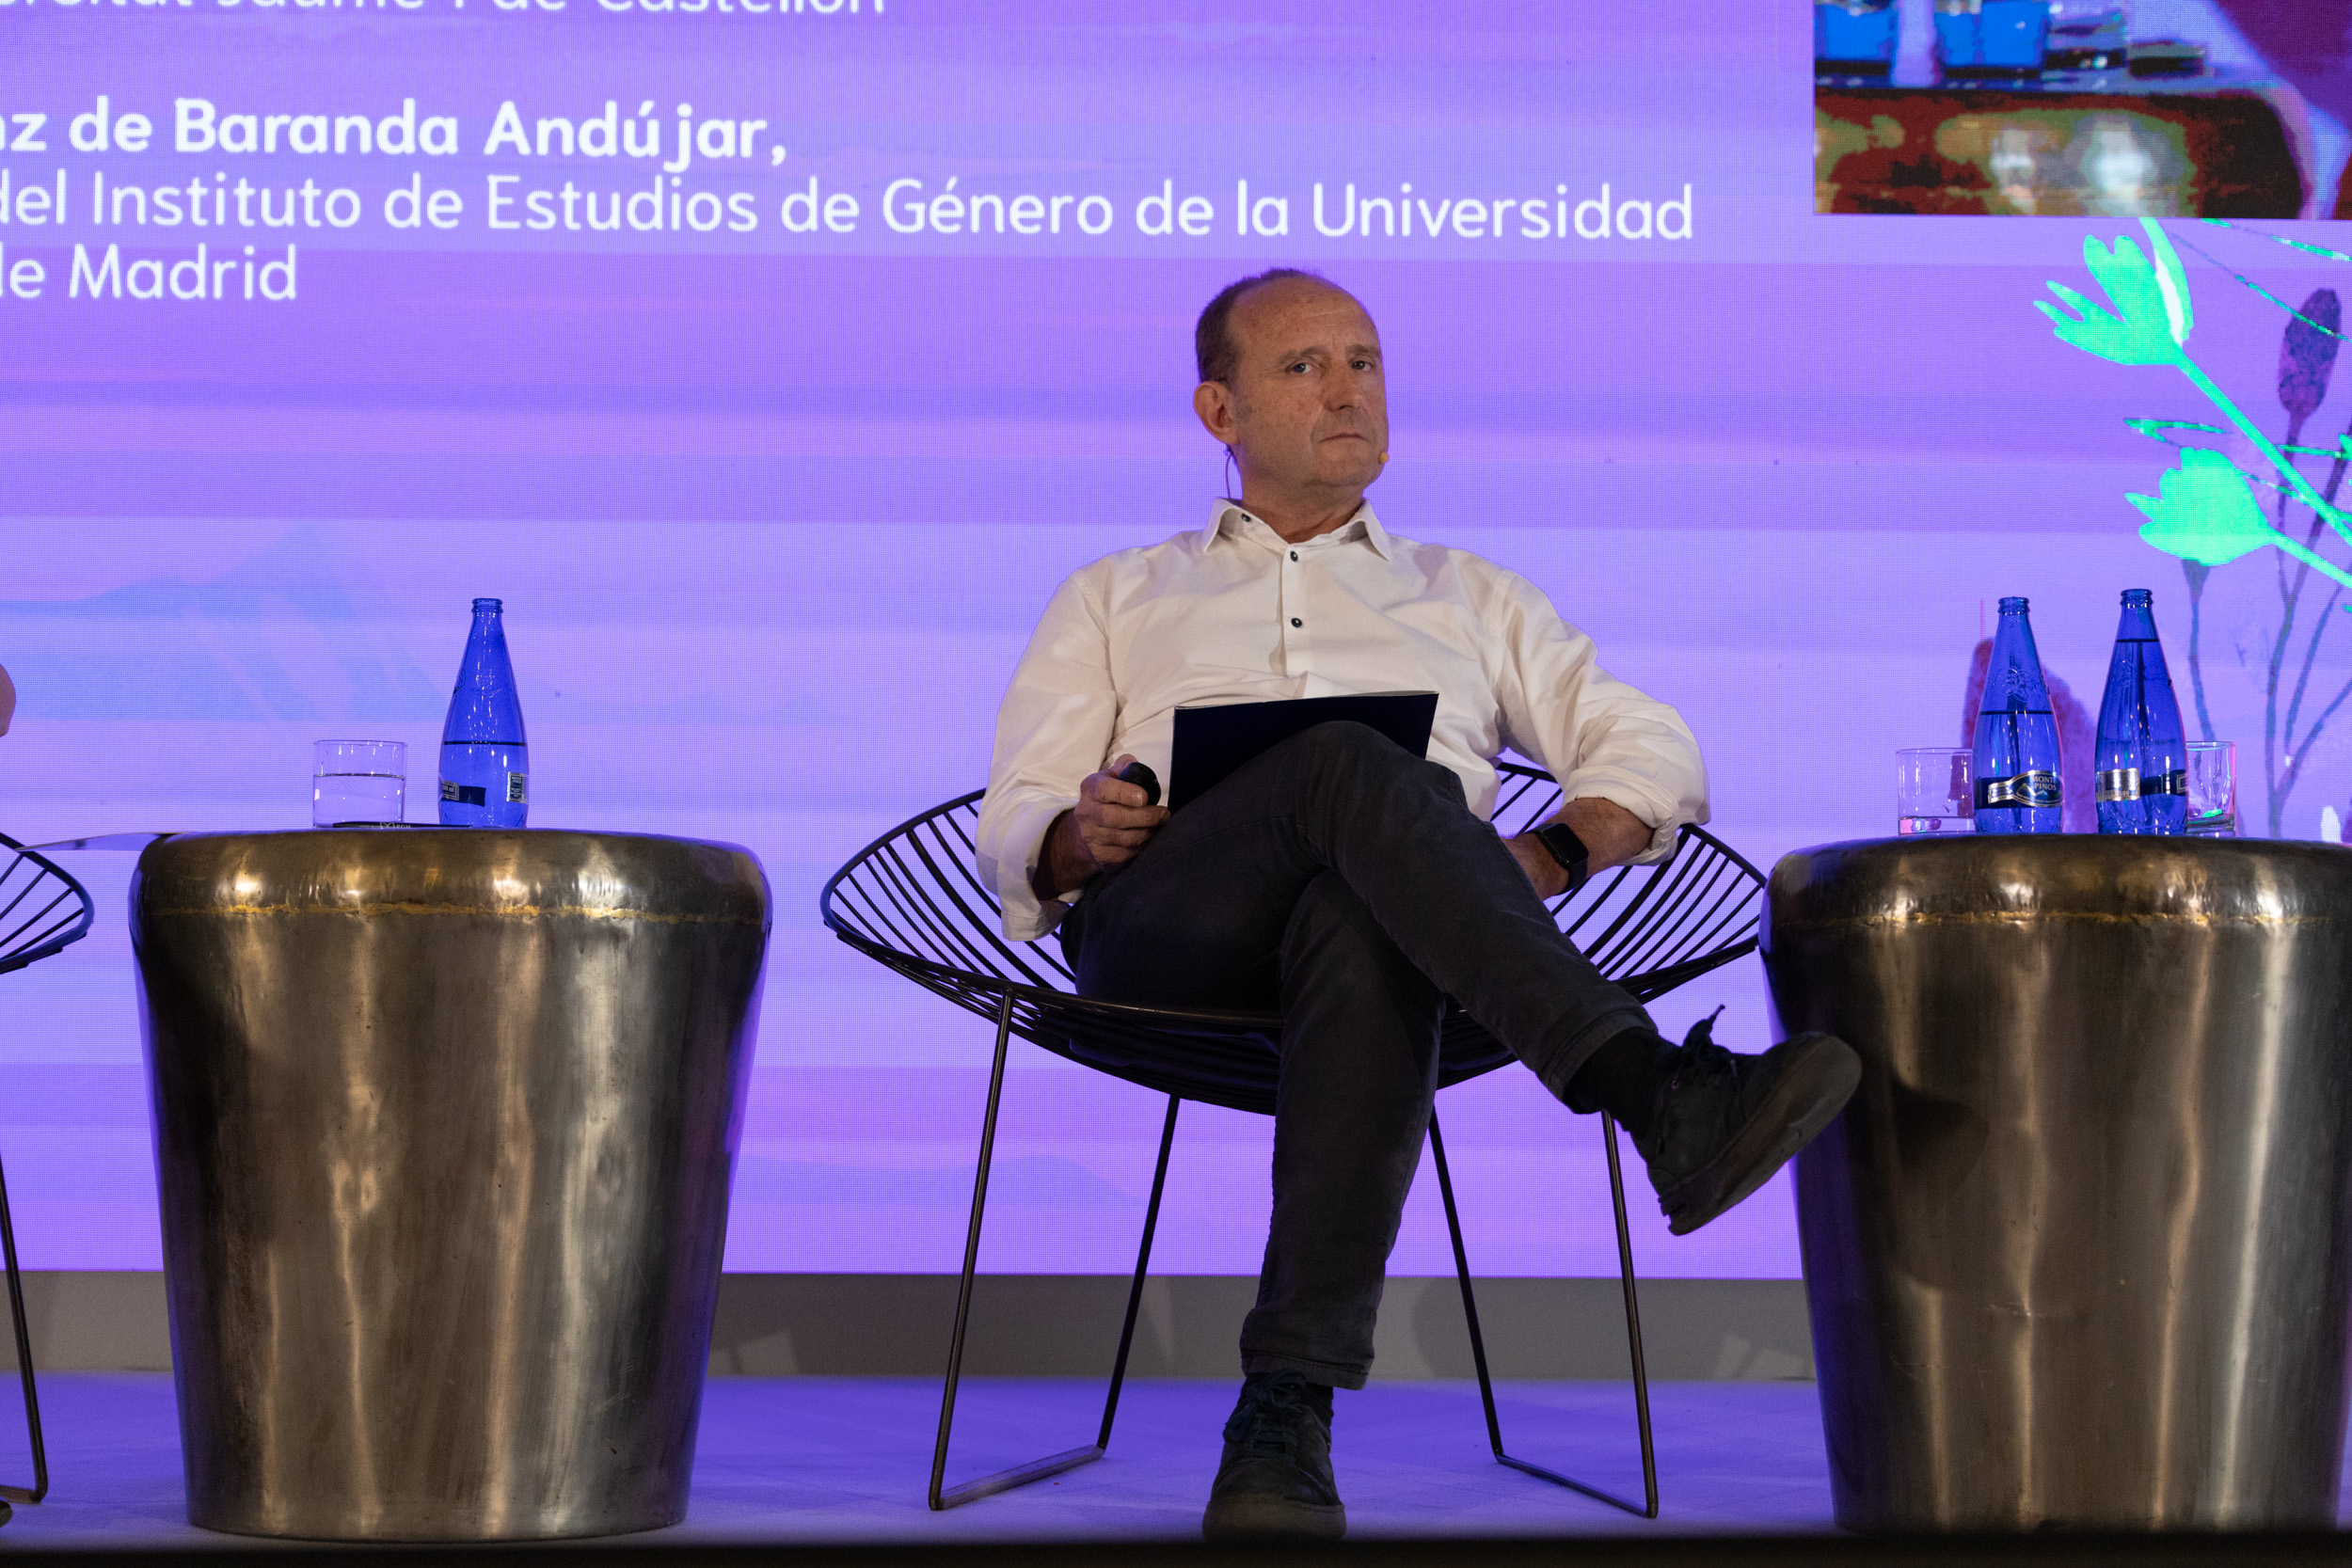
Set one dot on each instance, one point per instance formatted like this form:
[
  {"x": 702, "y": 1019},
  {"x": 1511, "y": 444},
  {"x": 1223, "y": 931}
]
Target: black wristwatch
[{"x": 1561, "y": 843}]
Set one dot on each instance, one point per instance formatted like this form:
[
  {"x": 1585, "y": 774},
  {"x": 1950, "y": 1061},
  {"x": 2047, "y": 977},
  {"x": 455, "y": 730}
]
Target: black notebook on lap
[{"x": 1213, "y": 742}]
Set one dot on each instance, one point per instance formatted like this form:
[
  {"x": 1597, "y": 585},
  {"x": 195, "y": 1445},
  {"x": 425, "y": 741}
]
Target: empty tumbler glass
[
  {"x": 1934, "y": 790},
  {"x": 2212, "y": 788}
]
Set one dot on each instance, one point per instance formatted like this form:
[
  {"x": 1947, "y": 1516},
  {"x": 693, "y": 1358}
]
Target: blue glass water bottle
[
  {"x": 2017, "y": 739},
  {"x": 486, "y": 768},
  {"x": 2143, "y": 756},
  {"x": 1854, "y": 37},
  {"x": 1991, "y": 37}
]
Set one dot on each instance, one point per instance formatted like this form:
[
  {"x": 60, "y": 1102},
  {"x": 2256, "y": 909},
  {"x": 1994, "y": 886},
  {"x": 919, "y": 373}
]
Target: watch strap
[{"x": 1561, "y": 843}]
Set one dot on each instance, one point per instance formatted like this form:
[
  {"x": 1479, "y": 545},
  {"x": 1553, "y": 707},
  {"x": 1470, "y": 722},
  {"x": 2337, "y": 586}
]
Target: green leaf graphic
[
  {"x": 2171, "y": 282},
  {"x": 2204, "y": 513},
  {"x": 2147, "y": 309}
]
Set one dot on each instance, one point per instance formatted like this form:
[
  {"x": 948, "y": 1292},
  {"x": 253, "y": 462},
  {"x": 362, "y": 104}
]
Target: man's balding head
[
  {"x": 1290, "y": 382},
  {"x": 1213, "y": 348}
]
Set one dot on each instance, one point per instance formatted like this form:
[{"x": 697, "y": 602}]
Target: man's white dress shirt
[{"x": 1233, "y": 614}]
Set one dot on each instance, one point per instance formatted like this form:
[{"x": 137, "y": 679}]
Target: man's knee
[
  {"x": 1362, "y": 751},
  {"x": 1346, "y": 740}
]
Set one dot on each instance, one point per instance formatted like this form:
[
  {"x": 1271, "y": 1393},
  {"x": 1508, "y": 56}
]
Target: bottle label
[
  {"x": 514, "y": 789},
  {"x": 2129, "y": 784},
  {"x": 2035, "y": 788},
  {"x": 464, "y": 795}
]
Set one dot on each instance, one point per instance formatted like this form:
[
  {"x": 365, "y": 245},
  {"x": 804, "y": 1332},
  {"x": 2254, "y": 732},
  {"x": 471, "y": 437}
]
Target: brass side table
[
  {"x": 2079, "y": 1252},
  {"x": 444, "y": 1124}
]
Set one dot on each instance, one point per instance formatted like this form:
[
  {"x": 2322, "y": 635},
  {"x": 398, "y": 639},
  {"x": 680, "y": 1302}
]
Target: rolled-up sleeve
[
  {"x": 1597, "y": 735},
  {"x": 1053, "y": 729}
]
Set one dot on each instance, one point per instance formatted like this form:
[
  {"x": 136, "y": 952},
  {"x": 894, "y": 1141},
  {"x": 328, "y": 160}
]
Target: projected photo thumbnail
[{"x": 2071, "y": 108}]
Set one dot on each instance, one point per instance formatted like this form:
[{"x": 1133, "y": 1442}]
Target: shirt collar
[{"x": 1230, "y": 519}]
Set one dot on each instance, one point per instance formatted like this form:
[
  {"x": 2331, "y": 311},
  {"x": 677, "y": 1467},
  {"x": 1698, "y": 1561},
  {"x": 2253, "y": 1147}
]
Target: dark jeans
[{"x": 1344, "y": 881}]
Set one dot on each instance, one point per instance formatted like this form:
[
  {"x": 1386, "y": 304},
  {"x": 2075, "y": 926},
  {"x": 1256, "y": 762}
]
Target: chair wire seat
[
  {"x": 42, "y": 911},
  {"x": 913, "y": 901}
]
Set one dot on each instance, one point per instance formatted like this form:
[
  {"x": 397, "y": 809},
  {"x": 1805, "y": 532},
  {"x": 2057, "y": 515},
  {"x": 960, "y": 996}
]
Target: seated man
[{"x": 1340, "y": 878}]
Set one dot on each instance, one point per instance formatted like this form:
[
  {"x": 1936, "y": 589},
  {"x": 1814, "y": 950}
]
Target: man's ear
[{"x": 1213, "y": 402}]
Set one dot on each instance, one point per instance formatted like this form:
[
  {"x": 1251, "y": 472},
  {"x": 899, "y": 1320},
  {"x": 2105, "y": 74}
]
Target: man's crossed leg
[{"x": 1346, "y": 883}]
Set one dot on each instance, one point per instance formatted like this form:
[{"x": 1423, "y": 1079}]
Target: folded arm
[
  {"x": 1628, "y": 768},
  {"x": 1610, "y": 834}
]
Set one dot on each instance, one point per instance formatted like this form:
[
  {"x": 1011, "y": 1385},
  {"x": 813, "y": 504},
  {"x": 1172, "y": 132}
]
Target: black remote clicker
[{"x": 1140, "y": 773}]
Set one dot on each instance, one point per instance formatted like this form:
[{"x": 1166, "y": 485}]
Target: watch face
[{"x": 1565, "y": 846}]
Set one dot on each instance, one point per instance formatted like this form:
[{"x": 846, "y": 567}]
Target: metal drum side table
[
  {"x": 444, "y": 1123},
  {"x": 2079, "y": 1252}
]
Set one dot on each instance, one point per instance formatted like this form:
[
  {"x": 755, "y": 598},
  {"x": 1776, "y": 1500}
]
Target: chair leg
[
  {"x": 1632, "y": 1319},
  {"x": 1633, "y": 1330},
  {"x": 1143, "y": 1264},
  {"x": 1054, "y": 1465},
  {"x": 24, "y": 1359}
]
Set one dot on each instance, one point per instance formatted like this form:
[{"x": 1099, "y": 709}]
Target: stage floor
[{"x": 846, "y": 1460}]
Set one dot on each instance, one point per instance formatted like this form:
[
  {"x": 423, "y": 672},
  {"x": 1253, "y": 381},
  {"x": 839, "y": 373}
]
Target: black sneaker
[
  {"x": 1724, "y": 1123},
  {"x": 1275, "y": 1478}
]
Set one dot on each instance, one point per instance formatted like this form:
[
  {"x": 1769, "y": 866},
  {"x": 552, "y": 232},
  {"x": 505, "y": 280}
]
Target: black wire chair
[
  {"x": 42, "y": 911},
  {"x": 913, "y": 901}
]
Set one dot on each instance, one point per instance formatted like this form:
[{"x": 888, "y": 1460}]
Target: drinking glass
[
  {"x": 359, "y": 783},
  {"x": 1991, "y": 37},
  {"x": 2212, "y": 788},
  {"x": 1853, "y": 38},
  {"x": 1935, "y": 790}
]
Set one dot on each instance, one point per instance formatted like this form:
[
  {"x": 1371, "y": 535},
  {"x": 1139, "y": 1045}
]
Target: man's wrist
[
  {"x": 1062, "y": 863},
  {"x": 1543, "y": 872},
  {"x": 1567, "y": 852},
  {"x": 1614, "y": 835}
]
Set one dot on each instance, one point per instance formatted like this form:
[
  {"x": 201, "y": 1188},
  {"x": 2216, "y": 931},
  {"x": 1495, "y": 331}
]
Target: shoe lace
[
  {"x": 1271, "y": 1411},
  {"x": 1700, "y": 1058}
]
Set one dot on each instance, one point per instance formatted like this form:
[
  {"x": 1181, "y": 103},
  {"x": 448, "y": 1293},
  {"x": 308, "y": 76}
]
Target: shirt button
[
  {"x": 1296, "y": 622},
  {"x": 1294, "y": 555}
]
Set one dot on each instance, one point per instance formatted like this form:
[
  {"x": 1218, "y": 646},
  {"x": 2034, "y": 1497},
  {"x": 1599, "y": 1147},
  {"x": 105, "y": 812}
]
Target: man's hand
[
  {"x": 1612, "y": 834},
  {"x": 1107, "y": 827}
]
